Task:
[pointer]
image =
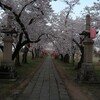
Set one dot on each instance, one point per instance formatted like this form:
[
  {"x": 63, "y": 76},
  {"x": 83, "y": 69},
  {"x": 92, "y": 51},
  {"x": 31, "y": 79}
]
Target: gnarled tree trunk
[{"x": 81, "y": 47}]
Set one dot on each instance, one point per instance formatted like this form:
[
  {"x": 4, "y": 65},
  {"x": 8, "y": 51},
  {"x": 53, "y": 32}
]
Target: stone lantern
[
  {"x": 86, "y": 72},
  {"x": 7, "y": 68}
]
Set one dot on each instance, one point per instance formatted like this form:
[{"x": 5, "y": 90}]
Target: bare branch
[
  {"x": 39, "y": 38},
  {"x": 4, "y": 7},
  {"x": 29, "y": 4},
  {"x": 71, "y": 6},
  {"x": 76, "y": 43},
  {"x": 31, "y": 21},
  {"x": 26, "y": 6}
]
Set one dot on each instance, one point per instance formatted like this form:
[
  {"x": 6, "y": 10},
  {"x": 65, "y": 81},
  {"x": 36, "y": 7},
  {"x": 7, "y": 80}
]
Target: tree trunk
[
  {"x": 66, "y": 58},
  {"x": 17, "y": 60},
  {"x": 73, "y": 61},
  {"x": 81, "y": 59},
  {"x": 61, "y": 57},
  {"x": 37, "y": 52},
  {"x": 24, "y": 56},
  {"x": 32, "y": 54},
  {"x": 81, "y": 47}
]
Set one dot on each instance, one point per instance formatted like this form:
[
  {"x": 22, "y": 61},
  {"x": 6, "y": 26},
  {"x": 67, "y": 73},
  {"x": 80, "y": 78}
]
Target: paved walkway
[{"x": 45, "y": 85}]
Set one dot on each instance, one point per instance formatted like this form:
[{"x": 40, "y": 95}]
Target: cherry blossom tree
[
  {"x": 63, "y": 36},
  {"x": 29, "y": 17},
  {"x": 34, "y": 21},
  {"x": 95, "y": 19}
]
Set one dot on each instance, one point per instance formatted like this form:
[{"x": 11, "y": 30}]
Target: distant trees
[{"x": 66, "y": 38}]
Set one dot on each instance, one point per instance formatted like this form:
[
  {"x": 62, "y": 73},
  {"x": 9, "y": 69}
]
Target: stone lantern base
[
  {"x": 7, "y": 71},
  {"x": 86, "y": 73}
]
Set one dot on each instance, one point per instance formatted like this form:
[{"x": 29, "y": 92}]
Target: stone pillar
[
  {"x": 7, "y": 68},
  {"x": 86, "y": 72},
  {"x": 88, "y": 50},
  {"x": 7, "y": 54},
  {"x": 88, "y": 23},
  {"x": 88, "y": 43}
]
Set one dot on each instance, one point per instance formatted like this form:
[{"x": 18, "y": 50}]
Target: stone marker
[
  {"x": 7, "y": 68},
  {"x": 86, "y": 72},
  {"x": 7, "y": 54}
]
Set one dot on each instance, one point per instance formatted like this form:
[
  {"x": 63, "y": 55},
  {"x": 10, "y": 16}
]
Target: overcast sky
[{"x": 58, "y": 6}]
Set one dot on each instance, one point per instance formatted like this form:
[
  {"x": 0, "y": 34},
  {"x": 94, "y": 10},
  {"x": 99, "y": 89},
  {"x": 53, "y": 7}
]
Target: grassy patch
[{"x": 25, "y": 71}]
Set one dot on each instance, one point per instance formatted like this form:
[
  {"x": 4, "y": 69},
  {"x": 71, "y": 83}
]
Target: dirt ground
[{"x": 74, "y": 90}]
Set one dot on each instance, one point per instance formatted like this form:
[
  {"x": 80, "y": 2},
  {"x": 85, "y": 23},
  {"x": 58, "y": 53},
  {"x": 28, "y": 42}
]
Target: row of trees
[
  {"x": 67, "y": 39},
  {"x": 35, "y": 22},
  {"x": 29, "y": 21}
]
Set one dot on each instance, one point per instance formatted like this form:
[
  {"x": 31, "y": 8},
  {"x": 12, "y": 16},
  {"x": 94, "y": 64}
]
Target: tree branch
[
  {"x": 17, "y": 19},
  {"x": 38, "y": 39},
  {"x": 4, "y": 7},
  {"x": 29, "y": 4},
  {"x": 25, "y": 7},
  {"x": 76, "y": 43}
]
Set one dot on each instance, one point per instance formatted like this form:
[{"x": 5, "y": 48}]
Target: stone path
[{"x": 45, "y": 85}]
